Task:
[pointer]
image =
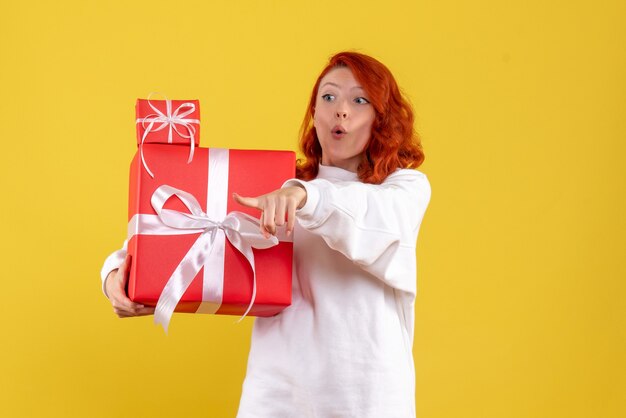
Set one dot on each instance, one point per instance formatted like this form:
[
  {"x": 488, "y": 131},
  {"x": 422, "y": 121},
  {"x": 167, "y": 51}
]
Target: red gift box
[
  {"x": 168, "y": 121},
  {"x": 156, "y": 256}
]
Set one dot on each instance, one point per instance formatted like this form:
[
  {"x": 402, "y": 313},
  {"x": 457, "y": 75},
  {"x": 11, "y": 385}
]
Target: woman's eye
[
  {"x": 361, "y": 100},
  {"x": 328, "y": 97}
]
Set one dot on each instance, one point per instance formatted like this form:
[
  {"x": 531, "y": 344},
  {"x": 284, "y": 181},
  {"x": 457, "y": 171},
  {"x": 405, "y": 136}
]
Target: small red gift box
[
  {"x": 168, "y": 121},
  {"x": 224, "y": 280}
]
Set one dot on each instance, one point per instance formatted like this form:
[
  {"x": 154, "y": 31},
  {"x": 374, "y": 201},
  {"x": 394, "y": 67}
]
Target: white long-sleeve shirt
[{"x": 344, "y": 346}]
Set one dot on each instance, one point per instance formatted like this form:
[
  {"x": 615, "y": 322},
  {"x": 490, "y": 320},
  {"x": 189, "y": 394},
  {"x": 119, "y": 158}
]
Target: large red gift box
[{"x": 156, "y": 257}]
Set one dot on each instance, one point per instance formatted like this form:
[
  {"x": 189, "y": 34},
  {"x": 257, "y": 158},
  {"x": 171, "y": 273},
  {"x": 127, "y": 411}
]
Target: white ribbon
[
  {"x": 169, "y": 119},
  {"x": 242, "y": 230}
]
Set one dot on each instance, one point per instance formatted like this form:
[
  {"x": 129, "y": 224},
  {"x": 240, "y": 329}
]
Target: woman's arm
[
  {"x": 114, "y": 274},
  {"x": 112, "y": 262},
  {"x": 375, "y": 226}
]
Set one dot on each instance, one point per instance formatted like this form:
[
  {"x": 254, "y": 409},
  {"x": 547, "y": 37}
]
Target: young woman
[{"x": 344, "y": 346}]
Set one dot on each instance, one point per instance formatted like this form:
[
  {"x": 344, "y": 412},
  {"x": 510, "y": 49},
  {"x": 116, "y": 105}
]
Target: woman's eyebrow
[
  {"x": 328, "y": 82},
  {"x": 338, "y": 86}
]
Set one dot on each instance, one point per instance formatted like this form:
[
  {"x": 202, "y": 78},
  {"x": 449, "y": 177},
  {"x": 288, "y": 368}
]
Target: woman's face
[{"x": 343, "y": 119}]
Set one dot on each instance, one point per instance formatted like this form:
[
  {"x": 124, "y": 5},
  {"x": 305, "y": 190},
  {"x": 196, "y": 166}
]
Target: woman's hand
[
  {"x": 275, "y": 206},
  {"x": 115, "y": 286}
]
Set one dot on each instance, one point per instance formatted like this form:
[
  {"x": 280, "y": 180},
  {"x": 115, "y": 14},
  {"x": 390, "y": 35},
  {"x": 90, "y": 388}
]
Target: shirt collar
[{"x": 335, "y": 173}]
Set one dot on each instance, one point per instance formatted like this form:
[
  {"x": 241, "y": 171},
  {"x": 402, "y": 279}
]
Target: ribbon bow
[
  {"x": 241, "y": 230},
  {"x": 172, "y": 120}
]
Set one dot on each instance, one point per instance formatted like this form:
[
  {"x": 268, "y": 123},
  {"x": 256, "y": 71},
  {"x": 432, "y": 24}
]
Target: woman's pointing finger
[{"x": 251, "y": 202}]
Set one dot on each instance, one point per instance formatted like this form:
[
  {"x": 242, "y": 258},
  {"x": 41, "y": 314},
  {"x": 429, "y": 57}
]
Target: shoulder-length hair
[{"x": 393, "y": 142}]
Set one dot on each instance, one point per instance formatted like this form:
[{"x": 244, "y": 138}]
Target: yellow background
[{"x": 521, "y": 107}]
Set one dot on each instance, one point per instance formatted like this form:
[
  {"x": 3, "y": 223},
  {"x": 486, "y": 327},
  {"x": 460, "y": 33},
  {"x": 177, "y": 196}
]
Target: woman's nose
[{"x": 341, "y": 109}]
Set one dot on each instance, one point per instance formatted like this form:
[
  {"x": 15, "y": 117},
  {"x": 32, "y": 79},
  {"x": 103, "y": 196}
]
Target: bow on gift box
[
  {"x": 172, "y": 120},
  {"x": 242, "y": 230}
]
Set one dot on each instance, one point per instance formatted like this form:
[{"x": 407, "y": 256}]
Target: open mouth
[{"x": 338, "y": 132}]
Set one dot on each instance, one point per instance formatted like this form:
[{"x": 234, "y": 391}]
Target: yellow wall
[{"x": 521, "y": 106}]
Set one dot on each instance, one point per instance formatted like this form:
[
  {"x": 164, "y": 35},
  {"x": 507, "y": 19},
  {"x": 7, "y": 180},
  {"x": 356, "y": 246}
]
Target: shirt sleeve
[
  {"x": 375, "y": 226},
  {"x": 112, "y": 262}
]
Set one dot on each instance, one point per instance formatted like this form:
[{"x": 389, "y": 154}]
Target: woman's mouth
[{"x": 338, "y": 132}]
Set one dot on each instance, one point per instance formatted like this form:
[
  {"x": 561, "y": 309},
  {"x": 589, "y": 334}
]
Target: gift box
[
  {"x": 214, "y": 249},
  {"x": 168, "y": 121}
]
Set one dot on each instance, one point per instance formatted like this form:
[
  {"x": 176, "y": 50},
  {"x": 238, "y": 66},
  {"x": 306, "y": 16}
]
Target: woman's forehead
[{"x": 340, "y": 77}]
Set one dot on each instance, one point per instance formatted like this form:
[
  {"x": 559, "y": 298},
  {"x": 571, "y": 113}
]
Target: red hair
[{"x": 393, "y": 142}]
